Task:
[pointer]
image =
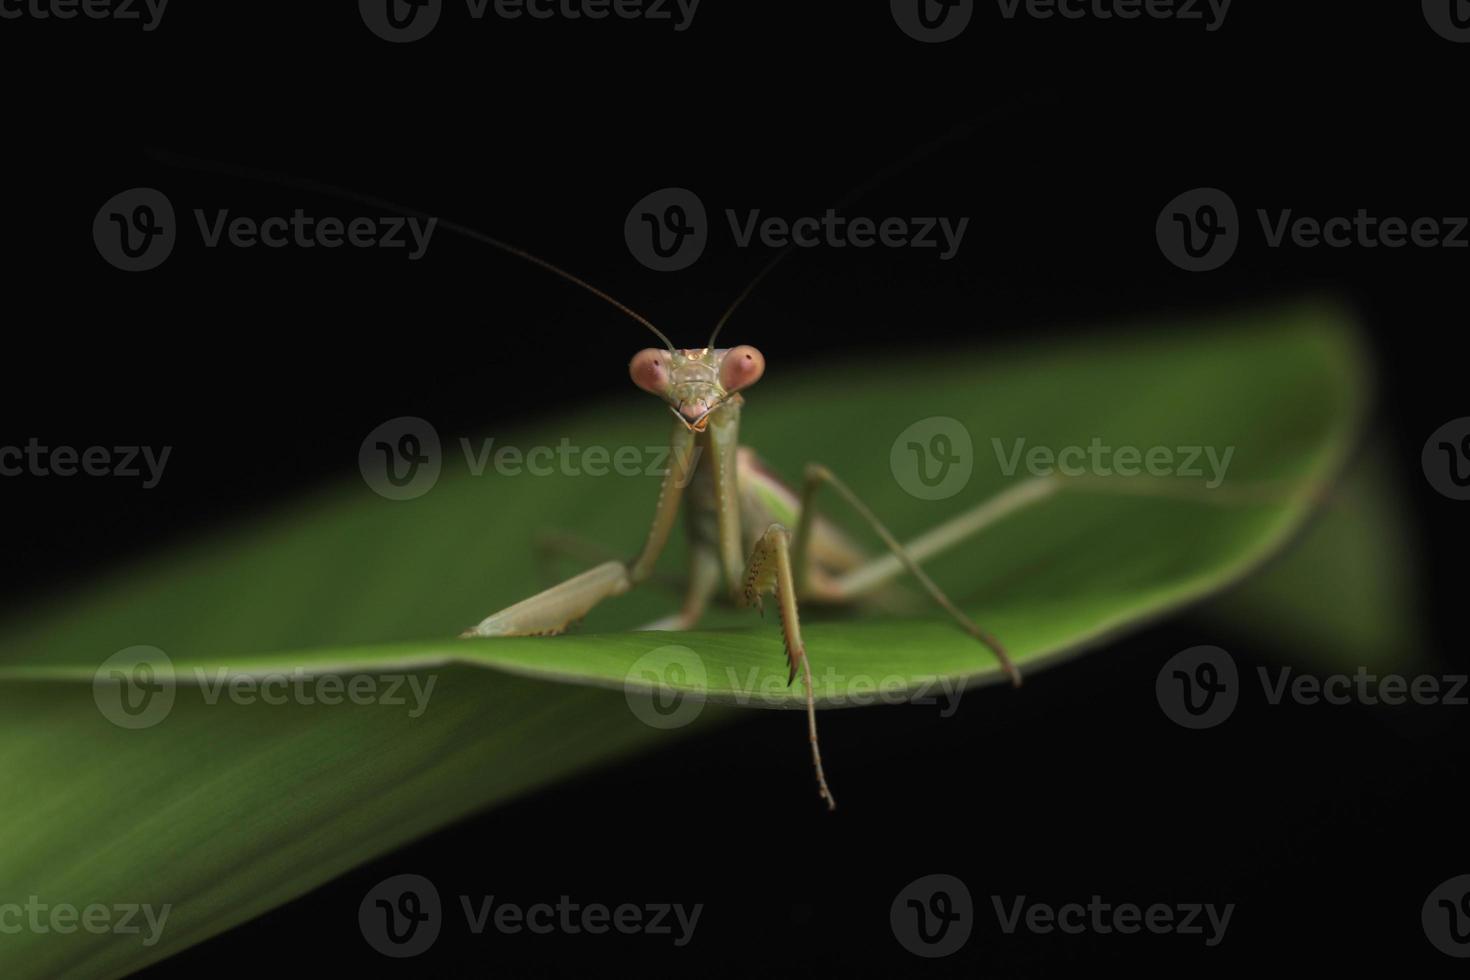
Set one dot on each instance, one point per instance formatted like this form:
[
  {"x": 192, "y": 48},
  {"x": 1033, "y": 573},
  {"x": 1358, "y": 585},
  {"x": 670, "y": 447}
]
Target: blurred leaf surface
[{"x": 224, "y": 810}]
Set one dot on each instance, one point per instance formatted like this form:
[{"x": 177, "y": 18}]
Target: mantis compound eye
[
  {"x": 741, "y": 368},
  {"x": 649, "y": 370}
]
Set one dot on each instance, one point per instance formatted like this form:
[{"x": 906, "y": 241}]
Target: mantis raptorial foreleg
[
  {"x": 769, "y": 571},
  {"x": 553, "y": 610},
  {"x": 553, "y": 548}
]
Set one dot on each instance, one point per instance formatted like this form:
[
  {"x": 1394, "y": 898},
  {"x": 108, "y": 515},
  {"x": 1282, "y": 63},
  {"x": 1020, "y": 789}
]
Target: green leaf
[
  {"x": 224, "y": 809},
  {"x": 1347, "y": 593}
]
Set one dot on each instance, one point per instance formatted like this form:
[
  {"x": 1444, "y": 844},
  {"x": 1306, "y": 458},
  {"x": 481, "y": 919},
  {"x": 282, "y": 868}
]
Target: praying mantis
[{"x": 749, "y": 533}]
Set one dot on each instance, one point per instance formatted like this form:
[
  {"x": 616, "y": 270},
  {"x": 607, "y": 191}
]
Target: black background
[{"x": 265, "y": 368}]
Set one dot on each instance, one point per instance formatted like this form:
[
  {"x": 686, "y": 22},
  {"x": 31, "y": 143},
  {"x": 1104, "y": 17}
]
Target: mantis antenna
[
  {"x": 749, "y": 288},
  {"x": 331, "y": 190},
  {"x": 956, "y": 133}
]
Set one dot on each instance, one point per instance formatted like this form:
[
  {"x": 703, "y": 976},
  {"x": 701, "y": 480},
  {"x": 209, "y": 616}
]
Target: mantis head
[{"x": 695, "y": 382}]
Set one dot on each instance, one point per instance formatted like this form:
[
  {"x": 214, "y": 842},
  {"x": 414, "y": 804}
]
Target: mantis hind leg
[{"x": 906, "y": 558}]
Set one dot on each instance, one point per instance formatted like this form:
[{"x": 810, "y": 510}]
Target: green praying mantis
[{"x": 750, "y": 534}]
